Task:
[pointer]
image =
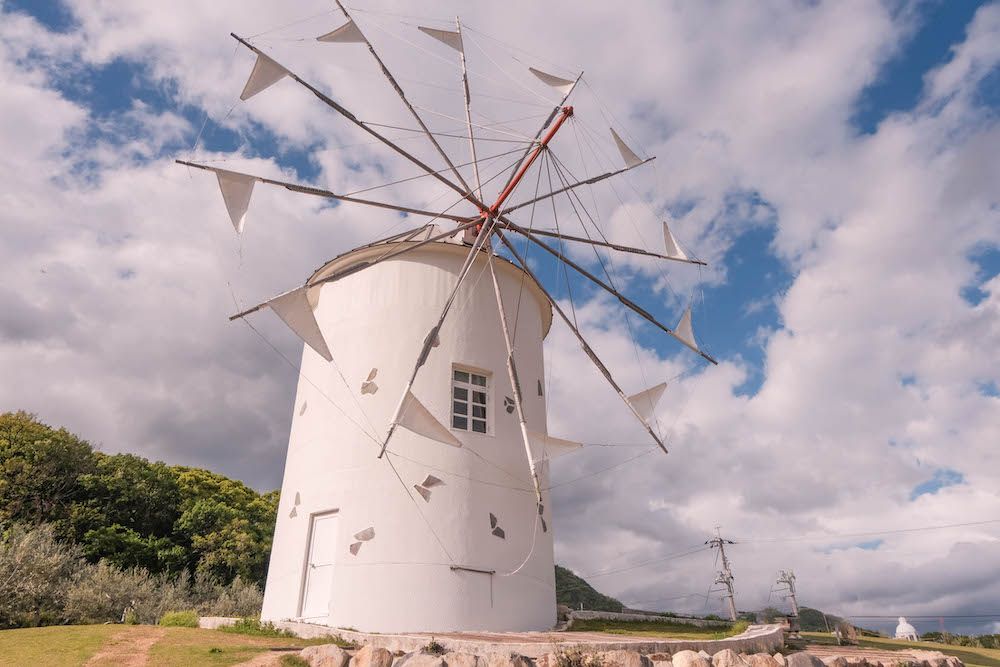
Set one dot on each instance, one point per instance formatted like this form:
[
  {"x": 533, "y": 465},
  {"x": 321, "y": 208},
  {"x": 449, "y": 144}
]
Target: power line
[
  {"x": 891, "y": 531},
  {"x": 673, "y": 556}
]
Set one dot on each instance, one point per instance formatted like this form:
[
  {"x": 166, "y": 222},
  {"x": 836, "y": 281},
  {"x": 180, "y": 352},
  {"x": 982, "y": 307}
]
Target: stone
[
  {"x": 462, "y": 660},
  {"x": 803, "y": 659},
  {"x": 689, "y": 659},
  {"x": 835, "y": 661},
  {"x": 662, "y": 663},
  {"x": 728, "y": 658},
  {"x": 780, "y": 659},
  {"x": 703, "y": 653},
  {"x": 419, "y": 659},
  {"x": 325, "y": 655},
  {"x": 622, "y": 658},
  {"x": 369, "y": 656},
  {"x": 659, "y": 657},
  {"x": 762, "y": 660},
  {"x": 503, "y": 660}
]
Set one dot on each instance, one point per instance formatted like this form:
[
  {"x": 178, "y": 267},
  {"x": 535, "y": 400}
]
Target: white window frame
[{"x": 468, "y": 388}]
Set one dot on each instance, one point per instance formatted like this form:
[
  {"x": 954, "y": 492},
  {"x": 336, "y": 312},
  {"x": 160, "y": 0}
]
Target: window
[{"x": 468, "y": 401}]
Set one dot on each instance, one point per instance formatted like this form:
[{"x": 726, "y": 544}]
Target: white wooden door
[{"x": 319, "y": 571}]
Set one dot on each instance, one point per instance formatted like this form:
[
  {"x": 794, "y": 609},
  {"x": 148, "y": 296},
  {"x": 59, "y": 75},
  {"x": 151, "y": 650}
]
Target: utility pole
[
  {"x": 787, "y": 579},
  {"x": 725, "y": 575}
]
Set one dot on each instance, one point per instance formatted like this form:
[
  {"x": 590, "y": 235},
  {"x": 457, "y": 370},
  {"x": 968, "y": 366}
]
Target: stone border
[{"x": 756, "y": 639}]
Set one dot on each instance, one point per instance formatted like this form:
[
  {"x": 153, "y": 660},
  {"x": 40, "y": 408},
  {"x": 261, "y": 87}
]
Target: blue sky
[{"x": 835, "y": 163}]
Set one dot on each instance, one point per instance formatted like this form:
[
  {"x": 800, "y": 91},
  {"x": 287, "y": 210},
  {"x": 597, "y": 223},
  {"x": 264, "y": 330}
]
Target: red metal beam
[{"x": 566, "y": 113}]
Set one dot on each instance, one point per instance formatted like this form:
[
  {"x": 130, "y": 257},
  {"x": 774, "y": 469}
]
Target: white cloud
[{"x": 113, "y": 311}]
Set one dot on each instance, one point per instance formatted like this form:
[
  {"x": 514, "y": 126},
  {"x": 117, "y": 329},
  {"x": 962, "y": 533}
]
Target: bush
[
  {"x": 180, "y": 619},
  {"x": 253, "y": 626},
  {"x": 34, "y": 569}
]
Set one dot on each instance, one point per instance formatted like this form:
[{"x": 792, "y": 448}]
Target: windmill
[{"x": 415, "y": 493}]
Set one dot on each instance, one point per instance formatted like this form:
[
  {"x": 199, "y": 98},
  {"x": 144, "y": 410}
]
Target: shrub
[
  {"x": 435, "y": 648},
  {"x": 253, "y": 626},
  {"x": 102, "y": 593},
  {"x": 180, "y": 619},
  {"x": 34, "y": 568}
]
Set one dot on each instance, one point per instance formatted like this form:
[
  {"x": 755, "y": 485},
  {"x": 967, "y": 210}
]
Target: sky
[{"x": 836, "y": 164}]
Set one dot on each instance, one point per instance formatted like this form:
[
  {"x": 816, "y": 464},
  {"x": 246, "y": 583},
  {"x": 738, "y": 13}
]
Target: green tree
[{"x": 40, "y": 471}]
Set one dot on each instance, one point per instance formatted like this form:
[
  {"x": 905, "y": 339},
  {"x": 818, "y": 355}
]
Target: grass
[
  {"x": 656, "y": 629},
  {"x": 58, "y": 646},
  {"x": 71, "y": 646},
  {"x": 180, "y": 619},
  {"x": 971, "y": 656}
]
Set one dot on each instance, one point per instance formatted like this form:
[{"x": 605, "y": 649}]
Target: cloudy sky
[{"x": 836, "y": 163}]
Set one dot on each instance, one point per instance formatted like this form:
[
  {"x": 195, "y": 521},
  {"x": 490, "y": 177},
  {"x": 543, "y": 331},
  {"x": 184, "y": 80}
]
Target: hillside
[{"x": 573, "y": 591}]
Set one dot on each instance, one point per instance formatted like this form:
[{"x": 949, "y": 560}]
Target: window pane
[
  {"x": 461, "y": 376},
  {"x": 461, "y": 393},
  {"x": 478, "y": 379},
  {"x": 479, "y": 397},
  {"x": 460, "y": 408},
  {"x": 478, "y": 426},
  {"x": 479, "y": 411},
  {"x": 460, "y": 422}
]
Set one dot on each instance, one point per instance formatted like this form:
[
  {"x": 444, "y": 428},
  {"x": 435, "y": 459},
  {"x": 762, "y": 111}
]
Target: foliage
[
  {"x": 574, "y": 657},
  {"x": 180, "y": 619},
  {"x": 44, "y": 581},
  {"x": 292, "y": 660},
  {"x": 250, "y": 625},
  {"x": 435, "y": 647},
  {"x": 34, "y": 570},
  {"x": 131, "y": 512},
  {"x": 573, "y": 591},
  {"x": 814, "y": 620}
]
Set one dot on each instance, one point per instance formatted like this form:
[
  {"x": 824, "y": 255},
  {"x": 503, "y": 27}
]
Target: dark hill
[{"x": 573, "y": 591}]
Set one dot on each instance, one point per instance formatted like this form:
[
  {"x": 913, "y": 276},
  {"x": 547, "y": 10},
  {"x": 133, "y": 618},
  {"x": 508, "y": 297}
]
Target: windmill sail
[
  {"x": 349, "y": 33},
  {"x": 236, "y": 190},
  {"x": 417, "y": 418},
  {"x": 551, "y": 447},
  {"x": 645, "y": 402},
  {"x": 265, "y": 74},
  {"x": 631, "y": 159},
  {"x": 684, "y": 331},
  {"x": 670, "y": 244},
  {"x": 295, "y": 310},
  {"x": 564, "y": 86},
  {"x": 448, "y": 37}
]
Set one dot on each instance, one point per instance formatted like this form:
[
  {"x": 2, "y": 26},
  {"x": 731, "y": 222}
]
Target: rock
[
  {"x": 503, "y": 660},
  {"x": 689, "y": 659},
  {"x": 762, "y": 660},
  {"x": 369, "y": 656},
  {"x": 728, "y": 658},
  {"x": 659, "y": 657},
  {"x": 325, "y": 655},
  {"x": 462, "y": 660},
  {"x": 419, "y": 659},
  {"x": 803, "y": 659},
  {"x": 623, "y": 658},
  {"x": 662, "y": 663},
  {"x": 703, "y": 653},
  {"x": 780, "y": 659},
  {"x": 835, "y": 661}
]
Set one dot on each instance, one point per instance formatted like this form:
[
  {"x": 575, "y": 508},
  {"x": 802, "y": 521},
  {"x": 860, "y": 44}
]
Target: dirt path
[
  {"x": 268, "y": 659},
  {"x": 128, "y": 648}
]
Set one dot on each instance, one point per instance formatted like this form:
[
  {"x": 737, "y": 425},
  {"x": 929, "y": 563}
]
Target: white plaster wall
[{"x": 402, "y": 579}]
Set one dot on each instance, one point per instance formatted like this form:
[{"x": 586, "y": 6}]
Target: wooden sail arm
[
  {"x": 573, "y": 186},
  {"x": 612, "y": 246},
  {"x": 628, "y": 303},
  {"x": 402, "y": 96},
  {"x": 339, "y": 108},
  {"x": 583, "y": 342},
  {"x": 320, "y": 192},
  {"x": 351, "y": 270}
]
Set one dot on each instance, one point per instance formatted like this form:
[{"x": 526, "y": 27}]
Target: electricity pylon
[{"x": 725, "y": 575}]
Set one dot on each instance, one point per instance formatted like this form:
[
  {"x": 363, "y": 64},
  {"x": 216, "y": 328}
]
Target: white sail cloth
[
  {"x": 645, "y": 402},
  {"x": 265, "y": 74},
  {"x": 295, "y": 310},
  {"x": 417, "y": 418}
]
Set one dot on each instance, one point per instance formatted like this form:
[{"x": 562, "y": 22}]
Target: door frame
[{"x": 307, "y": 553}]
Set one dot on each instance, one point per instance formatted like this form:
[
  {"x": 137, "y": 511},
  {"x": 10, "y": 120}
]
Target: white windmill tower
[{"x": 415, "y": 492}]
